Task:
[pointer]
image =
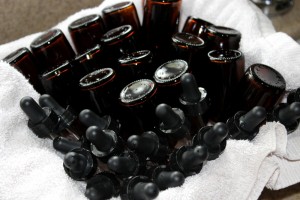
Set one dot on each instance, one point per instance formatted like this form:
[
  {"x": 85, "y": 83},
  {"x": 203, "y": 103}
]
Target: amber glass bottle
[
  {"x": 51, "y": 49},
  {"x": 121, "y": 14},
  {"x": 160, "y": 22},
  {"x": 196, "y": 26},
  {"x": 225, "y": 70},
  {"x": 86, "y": 32},
  {"x": 24, "y": 62}
]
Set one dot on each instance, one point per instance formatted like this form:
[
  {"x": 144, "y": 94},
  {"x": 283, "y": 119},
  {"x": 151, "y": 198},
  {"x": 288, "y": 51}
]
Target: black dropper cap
[
  {"x": 79, "y": 164},
  {"x": 48, "y": 101},
  {"x": 168, "y": 179},
  {"x": 101, "y": 139},
  {"x": 289, "y": 115},
  {"x": 102, "y": 186},
  {"x": 245, "y": 125},
  {"x": 145, "y": 191},
  {"x": 42, "y": 121},
  {"x": 252, "y": 119},
  {"x": 123, "y": 165},
  {"x": 169, "y": 118},
  {"x": 215, "y": 135},
  {"x": 89, "y": 118},
  {"x": 64, "y": 145},
  {"x": 293, "y": 96},
  {"x": 145, "y": 144},
  {"x": 190, "y": 89},
  {"x": 193, "y": 158}
]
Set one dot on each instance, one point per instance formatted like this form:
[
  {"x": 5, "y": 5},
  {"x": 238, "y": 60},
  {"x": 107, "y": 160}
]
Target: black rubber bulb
[
  {"x": 252, "y": 119},
  {"x": 101, "y": 188},
  {"x": 216, "y": 134},
  {"x": 190, "y": 89},
  {"x": 289, "y": 114},
  {"x": 47, "y": 101},
  {"x": 102, "y": 140},
  {"x": 167, "y": 115},
  {"x": 34, "y": 112},
  {"x": 122, "y": 165},
  {"x": 294, "y": 96},
  {"x": 141, "y": 144},
  {"x": 170, "y": 179},
  {"x": 64, "y": 145},
  {"x": 145, "y": 191},
  {"x": 194, "y": 157},
  {"x": 89, "y": 118},
  {"x": 75, "y": 162}
]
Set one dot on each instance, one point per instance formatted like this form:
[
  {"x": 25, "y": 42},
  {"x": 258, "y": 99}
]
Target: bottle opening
[
  {"x": 84, "y": 21},
  {"x": 46, "y": 38}
]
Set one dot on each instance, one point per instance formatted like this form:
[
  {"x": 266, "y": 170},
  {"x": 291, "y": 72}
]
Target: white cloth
[{"x": 31, "y": 169}]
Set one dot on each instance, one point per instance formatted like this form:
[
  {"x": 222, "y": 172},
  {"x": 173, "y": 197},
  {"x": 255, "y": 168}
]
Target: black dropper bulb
[
  {"x": 167, "y": 115},
  {"x": 142, "y": 145},
  {"x": 64, "y": 145},
  {"x": 168, "y": 179},
  {"x": 194, "y": 157},
  {"x": 89, "y": 118},
  {"x": 99, "y": 138},
  {"x": 190, "y": 89},
  {"x": 289, "y": 114},
  {"x": 93, "y": 193},
  {"x": 252, "y": 119},
  {"x": 145, "y": 191},
  {"x": 47, "y": 101},
  {"x": 216, "y": 134},
  {"x": 294, "y": 96},
  {"x": 75, "y": 162},
  {"x": 34, "y": 112},
  {"x": 122, "y": 165}
]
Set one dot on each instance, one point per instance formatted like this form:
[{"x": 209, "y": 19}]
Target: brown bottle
[
  {"x": 261, "y": 85},
  {"x": 51, "y": 49},
  {"x": 121, "y": 14},
  {"x": 62, "y": 84},
  {"x": 100, "y": 85},
  {"x": 223, "y": 37},
  {"x": 161, "y": 19},
  {"x": 223, "y": 73},
  {"x": 86, "y": 32},
  {"x": 134, "y": 66},
  {"x": 24, "y": 62},
  {"x": 138, "y": 98},
  {"x": 117, "y": 42},
  {"x": 196, "y": 26},
  {"x": 167, "y": 76}
]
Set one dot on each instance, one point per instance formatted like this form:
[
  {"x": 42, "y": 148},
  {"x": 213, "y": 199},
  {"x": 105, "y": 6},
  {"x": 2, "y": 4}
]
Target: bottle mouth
[
  {"x": 170, "y": 71},
  {"x": 137, "y": 92},
  {"x": 136, "y": 57},
  {"x": 97, "y": 79},
  {"x": 118, "y": 33},
  {"x": 16, "y": 55},
  {"x": 57, "y": 72},
  {"x": 46, "y": 38},
  {"x": 116, "y": 7},
  {"x": 224, "y": 55},
  {"x": 89, "y": 54},
  {"x": 268, "y": 76},
  {"x": 84, "y": 21},
  {"x": 187, "y": 39},
  {"x": 223, "y": 31}
]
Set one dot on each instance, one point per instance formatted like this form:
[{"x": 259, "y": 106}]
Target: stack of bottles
[{"x": 137, "y": 107}]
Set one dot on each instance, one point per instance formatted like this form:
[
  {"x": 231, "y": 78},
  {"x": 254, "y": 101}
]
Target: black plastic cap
[
  {"x": 145, "y": 191},
  {"x": 64, "y": 145},
  {"x": 145, "y": 144},
  {"x": 169, "y": 118},
  {"x": 216, "y": 134},
  {"x": 194, "y": 157},
  {"x": 89, "y": 118},
  {"x": 190, "y": 89},
  {"x": 76, "y": 162},
  {"x": 290, "y": 114},
  {"x": 103, "y": 141},
  {"x": 168, "y": 179},
  {"x": 48, "y": 101},
  {"x": 122, "y": 165},
  {"x": 252, "y": 119},
  {"x": 35, "y": 113}
]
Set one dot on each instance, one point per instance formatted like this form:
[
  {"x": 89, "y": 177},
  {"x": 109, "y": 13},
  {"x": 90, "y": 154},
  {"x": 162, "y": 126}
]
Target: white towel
[{"x": 31, "y": 169}]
